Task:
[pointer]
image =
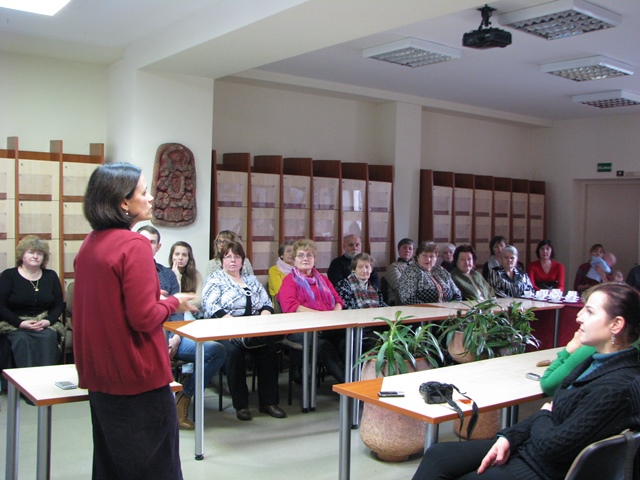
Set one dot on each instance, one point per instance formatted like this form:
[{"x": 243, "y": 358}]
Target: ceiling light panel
[
  {"x": 412, "y": 52},
  {"x": 614, "y": 99},
  {"x": 561, "y": 18},
  {"x": 589, "y": 68},
  {"x": 42, "y": 7}
]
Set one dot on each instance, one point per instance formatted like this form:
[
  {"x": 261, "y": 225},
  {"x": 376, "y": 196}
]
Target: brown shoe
[
  {"x": 182, "y": 409},
  {"x": 274, "y": 410}
]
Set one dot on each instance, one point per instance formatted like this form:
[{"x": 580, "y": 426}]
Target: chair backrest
[{"x": 612, "y": 459}]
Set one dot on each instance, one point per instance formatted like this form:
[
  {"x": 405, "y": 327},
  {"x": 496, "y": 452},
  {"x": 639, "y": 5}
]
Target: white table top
[
  {"x": 493, "y": 384},
  {"x": 225, "y": 328}
]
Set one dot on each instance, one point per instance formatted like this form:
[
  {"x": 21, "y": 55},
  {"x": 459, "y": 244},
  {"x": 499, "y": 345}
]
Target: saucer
[{"x": 571, "y": 301}]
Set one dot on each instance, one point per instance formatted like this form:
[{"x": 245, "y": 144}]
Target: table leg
[
  {"x": 556, "y": 329},
  {"x": 352, "y": 373},
  {"x": 199, "y": 397},
  {"x": 314, "y": 372},
  {"x": 305, "y": 372},
  {"x": 13, "y": 424},
  {"x": 43, "y": 463},
  {"x": 505, "y": 417},
  {"x": 431, "y": 437},
  {"x": 345, "y": 412}
]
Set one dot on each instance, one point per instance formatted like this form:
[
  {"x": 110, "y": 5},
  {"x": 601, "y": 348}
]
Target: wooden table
[
  {"x": 37, "y": 384},
  {"x": 494, "y": 384},
  {"x": 303, "y": 322}
]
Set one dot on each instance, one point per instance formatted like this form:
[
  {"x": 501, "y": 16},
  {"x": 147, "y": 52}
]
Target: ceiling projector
[{"x": 486, "y": 37}]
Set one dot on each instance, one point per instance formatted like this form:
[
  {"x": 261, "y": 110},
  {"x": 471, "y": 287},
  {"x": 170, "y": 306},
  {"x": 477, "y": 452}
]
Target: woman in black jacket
[{"x": 600, "y": 398}]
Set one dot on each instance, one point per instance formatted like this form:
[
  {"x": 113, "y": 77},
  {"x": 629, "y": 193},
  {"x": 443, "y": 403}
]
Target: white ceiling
[{"x": 300, "y": 39}]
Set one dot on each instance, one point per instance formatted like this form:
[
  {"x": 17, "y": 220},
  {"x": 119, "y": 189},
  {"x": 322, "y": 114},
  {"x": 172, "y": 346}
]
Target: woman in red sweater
[
  {"x": 546, "y": 273},
  {"x": 119, "y": 346}
]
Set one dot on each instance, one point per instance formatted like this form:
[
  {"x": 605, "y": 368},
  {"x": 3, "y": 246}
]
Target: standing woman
[
  {"x": 508, "y": 280},
  {"x": 231, "y": 293},
  {"x": 30, "y": 306},
  {"x": 119, "y": 344},
  {"x": 546, "y": 273},
  {"x": 184, "y": 266},
  {"x": 426, "y": 282}
]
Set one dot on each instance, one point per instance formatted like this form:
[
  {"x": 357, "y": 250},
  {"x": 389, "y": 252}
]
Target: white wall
[{"x": 45, "y": 99}]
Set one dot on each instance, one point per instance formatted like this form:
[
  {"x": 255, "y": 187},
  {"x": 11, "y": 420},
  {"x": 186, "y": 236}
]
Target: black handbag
[{"x": 436, "y": 392}]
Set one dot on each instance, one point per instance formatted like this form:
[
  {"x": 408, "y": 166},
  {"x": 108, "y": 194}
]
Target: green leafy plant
[
  {"x": 400, "y": 344},
  {"x": 488, "y": 329}
]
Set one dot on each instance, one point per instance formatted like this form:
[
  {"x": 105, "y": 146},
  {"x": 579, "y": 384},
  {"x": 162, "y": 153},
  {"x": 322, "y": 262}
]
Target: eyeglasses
[
  {"x": 302, "y": 256},
  {"x": 228, "y": 258},
  {"x": 221, "y": 241}
]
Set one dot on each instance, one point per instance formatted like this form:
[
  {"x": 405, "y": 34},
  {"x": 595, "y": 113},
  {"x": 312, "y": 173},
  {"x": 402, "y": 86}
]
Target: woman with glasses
[
  {"x": 231, "y": 293},
  {"x": 306, "y": 290},
  {"x": 222, "y": 239},
  {"x": 426, "y": 282}
]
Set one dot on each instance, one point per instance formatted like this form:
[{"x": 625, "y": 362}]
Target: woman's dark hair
[
  {"x": 233, "y": 247},
  {"x": 189, "y": 281},
  {"x": 621, "y": 300},
  {"x": 541, "y": 244},
  {"x": 363, "y": 257},
  {"x": 464, "y": 248},
  {"x": 406, "y": 241},
  {"x": 284, "y": 246},
  {"x": 108, "y": 186},
  {"x": 494, "y": 240}
]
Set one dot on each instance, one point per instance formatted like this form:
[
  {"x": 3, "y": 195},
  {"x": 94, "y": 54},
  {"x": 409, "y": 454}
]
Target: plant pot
[
  {"x": 457, "y": 351},
  {"x": 489, "y": 423},
  {"x": 392, "y": 437}
]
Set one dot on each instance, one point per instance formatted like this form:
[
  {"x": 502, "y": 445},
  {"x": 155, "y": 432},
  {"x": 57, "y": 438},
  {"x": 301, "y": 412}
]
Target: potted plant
[
  {"x": 399, "y": 349},
  {"x": 487, "y": 330}
]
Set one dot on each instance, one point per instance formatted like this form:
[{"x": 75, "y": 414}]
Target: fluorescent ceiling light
[
  {"x": 43, "y": 7},
  {"x": 412, "y": 52},
  {"x": 589, "y": 68},
  {"x": 561, "y": 18},
  {"x": 614, "y": 99}
]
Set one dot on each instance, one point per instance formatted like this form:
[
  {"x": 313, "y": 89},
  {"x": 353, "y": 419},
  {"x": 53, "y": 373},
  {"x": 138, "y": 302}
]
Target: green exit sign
[{"x": 604, "y": 167}]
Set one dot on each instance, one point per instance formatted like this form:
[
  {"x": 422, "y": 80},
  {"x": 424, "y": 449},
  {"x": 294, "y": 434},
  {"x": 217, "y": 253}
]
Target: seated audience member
[
  {"x": 508, "y": 280},
  {"x": 281, "y": 269},
  {"x": 470, "y": 282},
  {"x": 601, "y": 267},
  {"x": 496, "y": 245},
  {"x": 545, "y": 273},
  {"x": 306, "y": 290},
  {"x": 568, "y": 358},
  {"x": 598, "y": 399},
  {"x": 446, "y": 256},
  {"x": 224, "y": 237},
  {"x": 168, "y": 281},
  {"x": 340, "y": 267},
  {"x": 30, "y": 307},
  {"x": 183, "y": 266},
  {"x": 633, "y": 277},
  {"x": 231, "y": 293},
  {"x": 426, "y": 282},
  {"x": 356, "y": 291},
  {"x": 581, "y": 282},
  {"x": 617, "y": 276},
  {"x": 406, "y": 247}
]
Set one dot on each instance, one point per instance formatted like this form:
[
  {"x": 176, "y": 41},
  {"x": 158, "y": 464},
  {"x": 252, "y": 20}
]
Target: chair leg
[{"x": 220, "y": 378}]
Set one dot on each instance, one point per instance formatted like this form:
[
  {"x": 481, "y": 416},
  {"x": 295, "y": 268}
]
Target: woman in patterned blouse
[
  {"x": 424, "y": 281},
  {"x": 231, "y": 293},
  {"x": 508, "y": 280}
]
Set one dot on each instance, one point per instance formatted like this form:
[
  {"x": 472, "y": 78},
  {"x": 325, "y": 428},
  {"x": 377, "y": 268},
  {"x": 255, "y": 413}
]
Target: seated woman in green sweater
[{"x": 471, "y": 284}]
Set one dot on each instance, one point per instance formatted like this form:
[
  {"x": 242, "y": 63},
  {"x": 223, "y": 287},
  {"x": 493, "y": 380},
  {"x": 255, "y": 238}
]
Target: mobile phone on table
[
  {"x": 532, "y": 376},
  {"x": 388, "y": 394},
  {"x": 66, "y": 385}
]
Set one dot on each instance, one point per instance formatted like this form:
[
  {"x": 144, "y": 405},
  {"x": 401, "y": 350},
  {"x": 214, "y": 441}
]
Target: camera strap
[{"x": 474, "y": 409}]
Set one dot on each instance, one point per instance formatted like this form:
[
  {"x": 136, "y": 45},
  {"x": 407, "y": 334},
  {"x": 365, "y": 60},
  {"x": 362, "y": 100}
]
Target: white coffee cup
[
  {"x": 571, "y": 296},
  {"x": 555, "y": 295},
  {"x": 541, "y": 294}
]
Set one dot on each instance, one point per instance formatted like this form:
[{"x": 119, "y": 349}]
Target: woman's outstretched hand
[{"x": 498, "y": 455}]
